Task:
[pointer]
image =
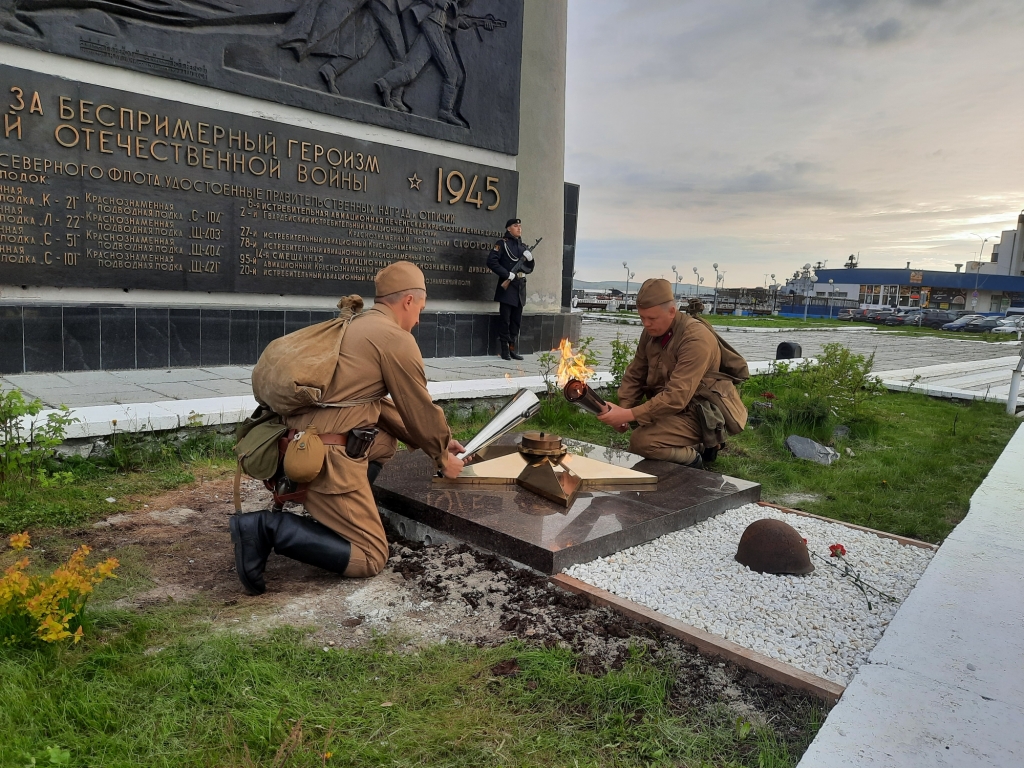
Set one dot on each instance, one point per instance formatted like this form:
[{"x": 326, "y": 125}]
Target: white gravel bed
[{"x": 819, "y": 623}]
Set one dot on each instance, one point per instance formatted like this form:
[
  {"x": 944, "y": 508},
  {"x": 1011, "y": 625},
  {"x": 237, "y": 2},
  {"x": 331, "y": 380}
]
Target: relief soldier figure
[
  {"x": 438, "y": 22},
  {"x": 322, "y": 27}
]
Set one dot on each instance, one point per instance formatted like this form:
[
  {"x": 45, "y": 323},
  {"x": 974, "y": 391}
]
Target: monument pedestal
[{"x": 516, "y": 523}]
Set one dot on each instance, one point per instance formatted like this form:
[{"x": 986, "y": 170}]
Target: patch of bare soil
[{"x": 425, "y": 595}]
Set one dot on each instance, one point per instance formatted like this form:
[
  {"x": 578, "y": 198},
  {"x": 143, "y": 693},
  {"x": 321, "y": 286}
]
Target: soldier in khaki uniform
[
  {"x": 379, "y": 381},
  {"x": 677, "y": 369}
]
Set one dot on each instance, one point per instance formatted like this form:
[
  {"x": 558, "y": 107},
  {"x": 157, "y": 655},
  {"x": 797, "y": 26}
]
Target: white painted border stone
[{"x": 102, "y": 420}]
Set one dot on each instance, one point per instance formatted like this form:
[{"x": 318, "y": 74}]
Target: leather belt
[{"x": 328, "y": 439}]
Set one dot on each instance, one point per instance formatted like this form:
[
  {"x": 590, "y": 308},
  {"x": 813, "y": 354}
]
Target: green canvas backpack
[{"x": 257, "y": 448}]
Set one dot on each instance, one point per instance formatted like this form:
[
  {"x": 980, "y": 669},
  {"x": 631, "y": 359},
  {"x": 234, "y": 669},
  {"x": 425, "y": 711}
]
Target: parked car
[
  {"x": 878, "y": 315},
  {"x": 853, "y": 314},
  {"x": 936, "y": 318},
  {"x": 982, "y": 325},
  {"x": 960, "y": 322},
  {"x": 907, "y": 317},
  {"x": 1013, "y": 324}
]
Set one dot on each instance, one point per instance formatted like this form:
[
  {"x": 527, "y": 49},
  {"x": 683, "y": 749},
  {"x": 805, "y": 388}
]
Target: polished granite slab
[{"x": 523, "y": 526}]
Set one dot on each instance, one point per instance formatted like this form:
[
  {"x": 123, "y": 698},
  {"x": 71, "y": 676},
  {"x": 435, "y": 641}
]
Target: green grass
[
  {"x": 931, "y": 454},
  {"x": 916, "y": 462},
  {"x": 138, "y": 466},
  {"x": 556, "y": 415},
  {"x": 162, "y": 689}
]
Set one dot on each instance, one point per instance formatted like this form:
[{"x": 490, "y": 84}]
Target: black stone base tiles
[
  {"x": 55, "y": 338},
  {"x": 519, "y": 524}
]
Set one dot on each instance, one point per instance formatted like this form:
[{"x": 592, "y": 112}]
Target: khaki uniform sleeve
[
  {"x": 631, "y": 391},
  {"x": 425, "y": 425},
  {"x": 697, "y": 356},
  {"x": 391, "y": 422}
]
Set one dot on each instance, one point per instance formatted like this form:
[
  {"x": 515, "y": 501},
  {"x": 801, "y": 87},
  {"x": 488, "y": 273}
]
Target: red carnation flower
[
  {"x": 768, "y": 395},
  {"x": 837, "y": 550}
]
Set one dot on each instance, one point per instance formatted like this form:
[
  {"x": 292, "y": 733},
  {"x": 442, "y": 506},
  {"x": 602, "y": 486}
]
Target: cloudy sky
[{"x": 763, "y": 134}]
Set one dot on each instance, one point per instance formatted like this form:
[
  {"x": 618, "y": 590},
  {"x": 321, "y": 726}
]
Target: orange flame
[
  {"x": 508, "y": 377},
  {"x": 572, "y": 366}
]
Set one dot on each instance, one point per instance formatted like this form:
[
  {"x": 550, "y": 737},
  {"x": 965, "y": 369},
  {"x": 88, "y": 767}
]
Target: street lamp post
[
  {"x": 977, "y": 270},
  {"x": 714, "y": 306},
  {"x": 808, "y": 290},
  {"x": 775, "y": 293},
  {"x": 699, "y": 281},
  {"x": 629, "y": 276},
  {"x": 675, "y": 288},
  {"x": 831, "y": 288}
]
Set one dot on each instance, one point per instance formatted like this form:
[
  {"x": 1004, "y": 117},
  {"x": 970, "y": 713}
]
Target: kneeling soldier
[
  {"x": 687, "y": 375},
  {"x": 380, "y": 387}
]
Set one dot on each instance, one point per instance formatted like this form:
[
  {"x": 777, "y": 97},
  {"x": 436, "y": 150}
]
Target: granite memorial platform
[{"x": 516, "y": 523}]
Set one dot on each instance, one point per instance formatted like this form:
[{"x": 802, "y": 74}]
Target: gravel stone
[{"x": 819, "y": 623}]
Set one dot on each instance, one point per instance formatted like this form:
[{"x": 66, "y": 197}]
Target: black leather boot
[
  {"x": 697, "y": 463},
  {"x": 512, "y": 352},
  {"x": 505, "y": 354},
  {"x": 255, "y": 534},
  {"x": 709, "y": 455}
]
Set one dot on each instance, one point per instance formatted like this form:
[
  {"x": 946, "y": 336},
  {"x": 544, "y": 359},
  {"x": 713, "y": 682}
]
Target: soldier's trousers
[
  {"x": 671, "y": 438},
  {"x": 510, "y": 318},
  {"x": 354, "y": 516},
  {"x": 432, "y": 43}
]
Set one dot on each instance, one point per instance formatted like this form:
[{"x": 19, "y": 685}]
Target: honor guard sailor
[
  {"x": 680, "y": 386},
  {"x": 377, "y": 396},
  {"x": 511, "y": 261}
]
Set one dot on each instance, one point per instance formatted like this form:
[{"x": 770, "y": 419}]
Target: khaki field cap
[
  {"x": 400, "y": 276},
  {"x": 654, "y": 292}
]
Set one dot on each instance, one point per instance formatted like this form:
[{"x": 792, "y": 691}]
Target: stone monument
[{"x": 181, "y": 183}]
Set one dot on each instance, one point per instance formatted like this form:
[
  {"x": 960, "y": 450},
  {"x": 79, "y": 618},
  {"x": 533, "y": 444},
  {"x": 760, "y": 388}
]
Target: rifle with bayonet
[
  {"x": 519, "y": 264},
  {"x": 488, "y": 22}
]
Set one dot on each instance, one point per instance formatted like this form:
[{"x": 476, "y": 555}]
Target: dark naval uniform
[{"x": 503, "y": 258}]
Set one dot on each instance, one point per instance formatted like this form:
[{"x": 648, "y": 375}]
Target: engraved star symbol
[{"x": 415, "y": 181}]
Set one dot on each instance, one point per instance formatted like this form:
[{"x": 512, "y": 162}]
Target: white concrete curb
[
  {"x": 102, "y": 420},
  {"x": 945, "y": 685}
]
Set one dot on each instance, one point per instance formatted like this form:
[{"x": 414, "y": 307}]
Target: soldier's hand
[
  {"x": 452, "y": 466},
  {"x": 454, "y": 446},
  {"x": 617, "y": 418}
]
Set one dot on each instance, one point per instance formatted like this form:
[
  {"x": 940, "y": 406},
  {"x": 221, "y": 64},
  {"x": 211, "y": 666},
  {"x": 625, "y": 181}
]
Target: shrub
[
  {"x": 25, "y": 452},
  {"x": 622, "y": 356},
  {"x": 48, "y": 608}
]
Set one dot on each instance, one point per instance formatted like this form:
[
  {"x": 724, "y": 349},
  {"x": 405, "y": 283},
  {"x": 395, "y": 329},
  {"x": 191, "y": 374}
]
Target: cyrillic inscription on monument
[{"x": 102, "y": 188}]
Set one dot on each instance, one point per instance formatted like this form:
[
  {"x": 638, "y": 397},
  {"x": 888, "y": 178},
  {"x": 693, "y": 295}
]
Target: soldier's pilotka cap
[
  {"x": 400, "y": 276},
  {"x": 654, "y": 292},
  {"x": 510, "y": 222}
]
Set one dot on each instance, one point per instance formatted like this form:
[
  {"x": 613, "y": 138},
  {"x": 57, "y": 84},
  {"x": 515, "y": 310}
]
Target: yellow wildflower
[{"x": 20, "y": 541}]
